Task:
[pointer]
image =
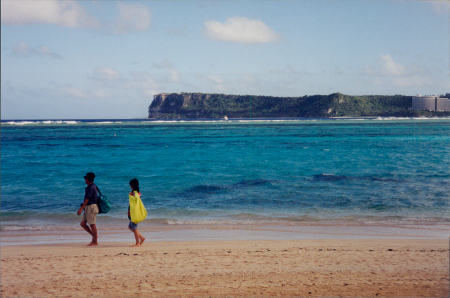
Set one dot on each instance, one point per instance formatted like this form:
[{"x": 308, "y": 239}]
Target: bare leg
[
  {"x": 94, "y": 236},
  {"x": 137, "y": 236},
  {"x": 86, "y": 227}
]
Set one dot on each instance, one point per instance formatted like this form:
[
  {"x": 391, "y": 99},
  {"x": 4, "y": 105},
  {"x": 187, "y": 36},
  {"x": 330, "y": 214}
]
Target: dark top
[{"x": 91, "y": 194}]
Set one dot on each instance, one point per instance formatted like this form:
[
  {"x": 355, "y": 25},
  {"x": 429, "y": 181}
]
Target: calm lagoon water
[{"x": 312, "y": 176}]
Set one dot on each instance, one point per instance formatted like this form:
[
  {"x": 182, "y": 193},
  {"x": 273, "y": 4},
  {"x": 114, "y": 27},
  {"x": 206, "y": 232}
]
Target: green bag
[{"x": 102, "y": 202}]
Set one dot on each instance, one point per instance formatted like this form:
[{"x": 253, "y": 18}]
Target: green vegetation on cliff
[{"x": 200, "y": 105}]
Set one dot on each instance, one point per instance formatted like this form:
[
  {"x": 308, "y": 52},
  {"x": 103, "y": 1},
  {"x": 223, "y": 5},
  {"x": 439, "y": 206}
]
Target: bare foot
[
  {"x": 136, "y": 245},
  {"x": 94, "y": 241},
  {"x": 142, "y": 240}
]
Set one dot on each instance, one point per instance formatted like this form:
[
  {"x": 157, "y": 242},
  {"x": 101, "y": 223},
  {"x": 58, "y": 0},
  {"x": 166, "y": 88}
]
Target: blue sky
[{"x": 106, "y": 59}]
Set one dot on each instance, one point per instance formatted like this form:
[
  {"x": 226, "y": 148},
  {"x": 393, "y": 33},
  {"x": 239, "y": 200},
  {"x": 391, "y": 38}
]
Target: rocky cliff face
[
  {"x": 188, "y": 104},
  {"x": 217, "y": 106}
]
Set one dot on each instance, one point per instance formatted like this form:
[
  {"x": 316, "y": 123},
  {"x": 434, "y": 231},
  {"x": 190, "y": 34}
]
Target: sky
[{"x": 107, "y": 59}]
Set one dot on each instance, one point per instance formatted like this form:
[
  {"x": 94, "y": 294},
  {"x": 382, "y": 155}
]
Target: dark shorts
[{"x": 132, "y": 225}]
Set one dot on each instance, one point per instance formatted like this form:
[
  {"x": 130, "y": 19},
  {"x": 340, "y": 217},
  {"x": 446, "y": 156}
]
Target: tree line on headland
[{"x": 207, "y": 105}]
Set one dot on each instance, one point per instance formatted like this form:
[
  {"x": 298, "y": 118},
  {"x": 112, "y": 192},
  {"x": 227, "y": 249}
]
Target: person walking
[
  {"x": 90, "y": 208},
  {"x": 136, "y": 212}
]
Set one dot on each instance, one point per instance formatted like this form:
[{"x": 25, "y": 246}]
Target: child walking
[{"x": 136, "y": 212}]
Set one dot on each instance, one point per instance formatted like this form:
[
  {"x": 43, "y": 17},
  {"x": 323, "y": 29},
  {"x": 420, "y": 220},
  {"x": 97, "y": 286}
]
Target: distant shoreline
[
  {"x": 5, "y": 121},
  {"x": 115, "y": 231}
]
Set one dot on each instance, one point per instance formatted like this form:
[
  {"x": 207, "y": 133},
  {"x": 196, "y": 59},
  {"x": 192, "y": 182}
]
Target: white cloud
[
  {"x": 132, "y": 17},
  {"x": 250, "y": 79},
  {"x": 390, "y": 67},
  {"x": 387, "y": 67},
  {"x": 215, "y": 79},
  {"x": 100, "y": 93},
  {"x": 24, "y": 49},
  {"x": 217, "y": 83},
  {"x": 106, "y": 77},
  {"x": 174, "y": 75},
  {"x": 367, "y": 71},
  {"x": 144, "y": 82},
  {"x": 241, "y": 30},
  {"x": 60, "y": 13},
  {"x": 71, "y": 14},
  {"x": 390, "y": 73},
  {"x": 106, "y": 73},
  {"x": 44, "y": 50},
  {"x": 72, "y": 92},
  {"x": 440, "y": 6},
  {"x": 248, "y": 83}
]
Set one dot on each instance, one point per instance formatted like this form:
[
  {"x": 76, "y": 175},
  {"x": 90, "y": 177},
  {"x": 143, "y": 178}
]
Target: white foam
[
  {"x": 20, "y": 122},
  {"x": 391, "y": 118},
  {"x": 352, "y": 119},
  {"x": 431, "y": 118},
  {"x": 37, "y": 228}
]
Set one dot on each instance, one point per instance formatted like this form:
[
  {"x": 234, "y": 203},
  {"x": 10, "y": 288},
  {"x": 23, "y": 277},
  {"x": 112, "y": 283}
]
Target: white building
[{"x": 430, "y": 103}]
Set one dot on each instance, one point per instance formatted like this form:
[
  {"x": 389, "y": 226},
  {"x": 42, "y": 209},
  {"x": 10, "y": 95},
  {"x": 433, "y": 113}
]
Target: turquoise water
[{"x": 237, "y": 172}]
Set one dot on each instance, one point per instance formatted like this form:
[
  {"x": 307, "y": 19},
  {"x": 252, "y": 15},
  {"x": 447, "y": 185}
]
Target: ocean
[{"x": 236, "y": 179}]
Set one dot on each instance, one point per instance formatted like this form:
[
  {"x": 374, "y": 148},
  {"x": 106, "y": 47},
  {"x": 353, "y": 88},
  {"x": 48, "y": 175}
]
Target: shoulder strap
[{"x": 98, "y": 190}]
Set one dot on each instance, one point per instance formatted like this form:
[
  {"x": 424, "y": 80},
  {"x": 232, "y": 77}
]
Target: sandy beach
[{"x": 286, "y": 268}]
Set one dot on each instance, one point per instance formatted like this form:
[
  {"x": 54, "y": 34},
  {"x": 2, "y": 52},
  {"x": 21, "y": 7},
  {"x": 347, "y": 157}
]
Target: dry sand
[{"x": 288, "y": 268}]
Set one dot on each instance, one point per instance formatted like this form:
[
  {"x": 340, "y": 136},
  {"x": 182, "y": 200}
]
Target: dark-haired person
[
  {"x": 90, "y": 208},
  {"x": 136, "y": 212}
]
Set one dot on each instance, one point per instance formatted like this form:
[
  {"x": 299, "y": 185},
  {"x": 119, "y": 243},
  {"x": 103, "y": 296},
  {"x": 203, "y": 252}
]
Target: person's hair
[
  {"x": 135, "y": 184},
  {"x": 90, "y": 176}
]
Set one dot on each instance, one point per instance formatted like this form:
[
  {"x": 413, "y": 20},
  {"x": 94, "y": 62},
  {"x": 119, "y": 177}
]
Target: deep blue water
[{"x": 217, "y": 172}]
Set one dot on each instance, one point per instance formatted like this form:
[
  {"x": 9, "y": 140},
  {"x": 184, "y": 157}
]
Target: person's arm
[{"x": 86, "y": 200}]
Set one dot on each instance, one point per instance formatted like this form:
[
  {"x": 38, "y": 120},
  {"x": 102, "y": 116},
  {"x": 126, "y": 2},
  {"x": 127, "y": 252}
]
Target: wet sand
[{"x": 249, "y": 268}]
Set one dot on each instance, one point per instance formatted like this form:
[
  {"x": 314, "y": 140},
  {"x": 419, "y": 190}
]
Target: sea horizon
[{"x": 88, "y": 120}]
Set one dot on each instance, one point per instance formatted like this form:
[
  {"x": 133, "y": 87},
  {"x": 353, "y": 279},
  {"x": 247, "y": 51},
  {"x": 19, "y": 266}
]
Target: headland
[{"x": 220, "y": 106}]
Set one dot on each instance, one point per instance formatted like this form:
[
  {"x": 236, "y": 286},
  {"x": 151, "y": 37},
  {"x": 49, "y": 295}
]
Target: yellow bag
[{"x": 137, "y": 209}]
